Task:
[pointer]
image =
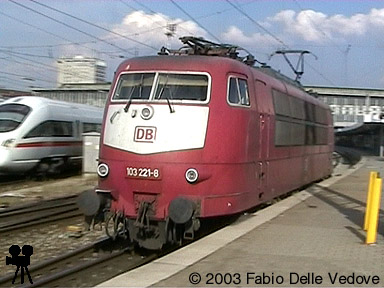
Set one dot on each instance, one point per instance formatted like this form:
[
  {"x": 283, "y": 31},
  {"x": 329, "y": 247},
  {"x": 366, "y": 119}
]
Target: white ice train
[{"x": 43, "y": 135}]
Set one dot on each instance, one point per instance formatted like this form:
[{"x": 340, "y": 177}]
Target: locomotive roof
[
  {"x": 200, "y": 46},
  {"x": 216, "y": 54},
  {"x": 169, "y": 62},
  {"x": 276, "y": 74},
  {"x": 196, "y": 62}
]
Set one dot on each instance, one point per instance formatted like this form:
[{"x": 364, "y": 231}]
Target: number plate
[{"x": 143, "y": 173}]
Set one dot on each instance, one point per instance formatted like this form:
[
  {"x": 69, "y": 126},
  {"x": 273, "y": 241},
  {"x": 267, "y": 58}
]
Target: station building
[
  {"x": 358, "y": 115},
  {"x": 94, "y": 94},
  {"x": 351, "y": 106}
]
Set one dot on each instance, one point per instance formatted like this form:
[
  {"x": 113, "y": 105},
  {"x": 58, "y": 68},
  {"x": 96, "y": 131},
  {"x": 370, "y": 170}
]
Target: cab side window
[{"x": 238, "y": 91}]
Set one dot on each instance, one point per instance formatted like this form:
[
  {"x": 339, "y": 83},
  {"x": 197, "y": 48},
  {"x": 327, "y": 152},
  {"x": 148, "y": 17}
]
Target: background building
[
  {"x": 351, "y": 106},
  {"x": 80, "y": 70},
  {"x": 91, "y": 94}
]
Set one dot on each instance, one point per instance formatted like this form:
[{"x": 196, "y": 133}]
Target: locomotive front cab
[
  {"x": 175, "y": 145},
  {"x": 154, "y": 124},
  {"x": 143, "y": 106}
]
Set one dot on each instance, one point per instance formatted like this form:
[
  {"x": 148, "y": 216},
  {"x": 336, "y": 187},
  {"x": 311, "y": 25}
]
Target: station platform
[{"x": 313, "y": 238}]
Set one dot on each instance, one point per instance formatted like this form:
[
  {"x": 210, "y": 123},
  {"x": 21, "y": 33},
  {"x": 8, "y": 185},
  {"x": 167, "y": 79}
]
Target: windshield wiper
[
  {"x": 126, "y": 108},
  {"x": 171, "y": 109},
  {"x": 141, "y": 86}
]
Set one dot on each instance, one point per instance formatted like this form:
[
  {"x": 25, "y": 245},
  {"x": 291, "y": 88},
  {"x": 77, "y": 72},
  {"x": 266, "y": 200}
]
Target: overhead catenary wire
[
  {"x": 70, "y": 42},
  {"x": 13, "y": 61},
  {"x": 24, "y": 54},
  {"x": 181, "y": 21},
  {"x": 318, "y": 28},
  {"x": 159, "y": 26},
  {"x": 35, "y": 69},
  {"x": 257, "y": 24},
  {"x": 9, "y": 50},
  {"x": 194, "y": 19},
  {"x": 93, "y": 24},
  {"x": 234, "y": 5},
  {"x": 68, "y": 26},
  {"x": 276, "y": 38},
  {"x": 144, "y": 6},
  {"x": 111, "y": 54},
  {"x": 35, "y": 27},
  {"x": 25, "y": 76},
  {"x": 42, "y": 65},
  {"x": 5, "y": 79},
  {"x": 154, "y": 13}
]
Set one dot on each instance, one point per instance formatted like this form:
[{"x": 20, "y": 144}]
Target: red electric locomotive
[{"x": 195, "y": 135}]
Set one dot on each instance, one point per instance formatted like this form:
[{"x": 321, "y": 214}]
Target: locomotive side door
[{"x": 264, "y": 106}]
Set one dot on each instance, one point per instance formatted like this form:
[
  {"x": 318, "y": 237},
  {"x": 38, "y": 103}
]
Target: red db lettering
[{"x": 145, "y": 134}]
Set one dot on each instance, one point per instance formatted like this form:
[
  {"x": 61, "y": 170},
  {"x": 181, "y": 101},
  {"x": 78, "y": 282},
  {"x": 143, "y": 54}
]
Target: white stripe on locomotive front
[{"x": 184, "y": 129}]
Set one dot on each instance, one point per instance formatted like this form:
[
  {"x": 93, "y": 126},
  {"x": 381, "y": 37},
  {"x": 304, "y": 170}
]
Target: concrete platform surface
[{"x": 313, "y": 238}]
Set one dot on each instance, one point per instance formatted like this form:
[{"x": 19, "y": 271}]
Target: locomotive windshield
[
  {"x": 134, "y": 86},
  {"x": 12, "y": 115},
  {"x": 162, "y": 86}
]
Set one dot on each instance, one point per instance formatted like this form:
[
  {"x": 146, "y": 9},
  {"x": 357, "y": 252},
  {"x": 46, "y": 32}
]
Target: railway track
[
  {"x": 37, "y": 213},
  {"x": 348, "y": 155},
  {"x": 98, "y": 261},
  {"x": 14, "y": 182},
  {"x": 85, "y": 266}
]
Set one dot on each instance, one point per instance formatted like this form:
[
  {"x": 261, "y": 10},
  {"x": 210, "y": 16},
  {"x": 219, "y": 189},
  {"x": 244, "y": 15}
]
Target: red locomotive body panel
[
  {"x": 227, "y": 161},
  {"x": 237, "y": 149}
]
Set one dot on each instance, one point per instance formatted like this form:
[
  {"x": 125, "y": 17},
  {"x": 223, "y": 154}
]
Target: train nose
[{"x": 4, "y": 158}]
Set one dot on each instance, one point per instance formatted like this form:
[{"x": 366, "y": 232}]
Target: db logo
[{"x": 145, "y": 134}]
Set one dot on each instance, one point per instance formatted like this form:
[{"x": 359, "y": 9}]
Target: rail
[
  {"x": 37, "y": 213},
  {"x": 69, "y": 269},
  {"x": 348, "y": 155}
]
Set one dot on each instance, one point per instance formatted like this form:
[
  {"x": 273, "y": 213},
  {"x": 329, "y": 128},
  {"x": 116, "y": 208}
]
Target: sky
[{"x": 345, "y": 38}]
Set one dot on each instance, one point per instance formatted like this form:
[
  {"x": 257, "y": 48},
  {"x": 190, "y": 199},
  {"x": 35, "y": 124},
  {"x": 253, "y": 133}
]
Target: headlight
[
  {"x": 147, "y": 113},
  {"x": 191, "y": 175},
  {"x": 8, "y": 143},
  {"x": 102, "y": 170}
]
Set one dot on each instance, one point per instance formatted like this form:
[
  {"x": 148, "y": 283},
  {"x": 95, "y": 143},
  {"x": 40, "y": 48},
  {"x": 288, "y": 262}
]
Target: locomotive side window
[
  {"x": 12, "y": 115},
  {"x": 321, "y": 115},
  {"x": 321, "y": 135},
  {"x": 51, "y": 129},
  {"x": 281, "y": 103},
  {"x": 310, "y": 112},
  {"x": 298, "y": 122},
  {"x": 297, "y": 108},
  {"x": 233, "y": 91},
  {"x": 238, "y": 91}
]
